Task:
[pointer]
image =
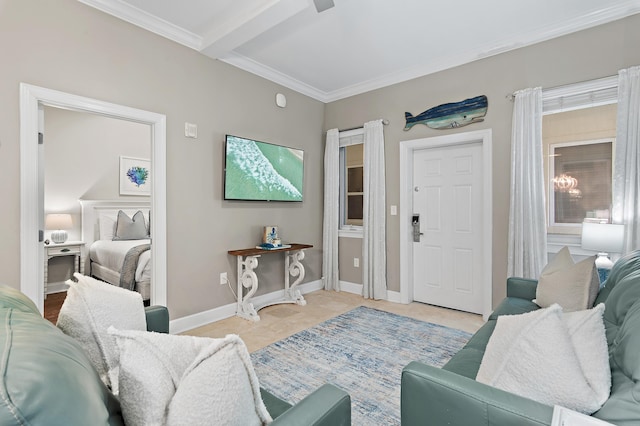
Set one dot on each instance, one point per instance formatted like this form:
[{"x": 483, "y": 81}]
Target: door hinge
[
  {"x": 40, "y": 138},
  {"x": 40, "y": 235}
]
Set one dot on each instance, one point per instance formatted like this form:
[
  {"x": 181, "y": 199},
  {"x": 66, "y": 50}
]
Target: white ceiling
[{"x": 359, "y": 45}]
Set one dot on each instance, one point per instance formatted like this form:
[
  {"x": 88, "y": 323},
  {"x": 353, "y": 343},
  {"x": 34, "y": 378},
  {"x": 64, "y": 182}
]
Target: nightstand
[{"x": 69, "y": 248}]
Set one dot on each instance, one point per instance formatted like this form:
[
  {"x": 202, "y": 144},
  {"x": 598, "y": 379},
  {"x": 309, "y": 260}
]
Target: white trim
[
  {"x": 31, "y": 273},
  {"x": 350, "y": 233},
  {"x": 147, "y": 21},
  {"x": 406, "y": 205},
  {"x": 394, "y": 296},
  {"x": 587, "y": 94},
  {"x": 349, "y": 287},
  {"x": 190, "y": 322}
]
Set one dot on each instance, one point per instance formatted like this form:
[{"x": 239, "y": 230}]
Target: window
[
  {"x": 580, "y": 178},
  {"x": 351, "y": 179},
  {"x": 578, "y": 132}
]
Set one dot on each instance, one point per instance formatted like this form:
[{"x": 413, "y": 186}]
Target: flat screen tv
[{"x": 260, "y": 171}]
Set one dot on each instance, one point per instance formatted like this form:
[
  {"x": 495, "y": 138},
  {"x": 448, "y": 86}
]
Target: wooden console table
[{"x": 247, "y": 278}]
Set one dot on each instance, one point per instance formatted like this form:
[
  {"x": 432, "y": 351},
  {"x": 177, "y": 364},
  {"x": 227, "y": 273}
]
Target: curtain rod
[
  {"x": 598, "y": 83},
  {"x": 384, "y": 121}
]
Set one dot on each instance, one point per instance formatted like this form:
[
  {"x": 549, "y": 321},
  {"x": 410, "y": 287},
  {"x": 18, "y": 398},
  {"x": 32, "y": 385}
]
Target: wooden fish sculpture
[{"x": 451, "y": 115}]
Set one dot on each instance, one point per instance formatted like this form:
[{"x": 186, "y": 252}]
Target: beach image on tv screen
[{"x": 261, "y": 171}]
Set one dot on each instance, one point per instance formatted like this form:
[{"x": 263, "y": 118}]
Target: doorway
[
  {"x": 447, "y": 201},
  {"x": 457, "y": 148},
  {"x": 32, "y": 98}
]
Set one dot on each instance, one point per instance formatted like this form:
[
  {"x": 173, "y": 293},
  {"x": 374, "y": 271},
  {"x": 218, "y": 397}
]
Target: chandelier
[{"x": 564, "y": 183}]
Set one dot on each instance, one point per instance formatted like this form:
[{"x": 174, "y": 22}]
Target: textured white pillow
[
  {"x": 532, "y": 355},
  {"x": 574, "y": 286},
  {"x": 169, "y": 379},
  {"x": 91, "y": 306},
  {"x": 107, "y": 226},
  {"x": 589, "y": 340}
]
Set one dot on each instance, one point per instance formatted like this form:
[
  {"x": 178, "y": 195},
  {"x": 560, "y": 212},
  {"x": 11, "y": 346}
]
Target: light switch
[
  {"x": 394, "y": 210},
  {"x": 191, "y": 130}
]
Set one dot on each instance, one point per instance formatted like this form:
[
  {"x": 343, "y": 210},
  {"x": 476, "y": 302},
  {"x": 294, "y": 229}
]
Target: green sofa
[
  {"x": 451, "y": 396},
  {"x": 48, "y": 380}
]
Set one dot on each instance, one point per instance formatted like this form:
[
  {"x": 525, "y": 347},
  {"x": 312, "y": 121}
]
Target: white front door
[{"x": 447, "y": 196}]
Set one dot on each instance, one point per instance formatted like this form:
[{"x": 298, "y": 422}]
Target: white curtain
[
  {"x": 374, "y": 244},
  {"x": 330, "y": 223},
  {"x": 527, "y": 244},
  {"x": 626, "y": 176}
]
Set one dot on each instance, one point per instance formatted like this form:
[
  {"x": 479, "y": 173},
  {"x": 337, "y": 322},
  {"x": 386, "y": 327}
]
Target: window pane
[
  {"x": 582, "y": 182},
  {"x": 354, "y": 208},
  {"x": 354, "y": 178}
]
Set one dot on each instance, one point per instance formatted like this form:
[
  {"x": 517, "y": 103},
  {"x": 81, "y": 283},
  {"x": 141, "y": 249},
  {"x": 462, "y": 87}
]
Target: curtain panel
[
  {"x": 331, "y": 219},
  {"x": 527, "y": 238},
  {"x": 374, "y": 243},
  {"x": 626, "y": 175}
]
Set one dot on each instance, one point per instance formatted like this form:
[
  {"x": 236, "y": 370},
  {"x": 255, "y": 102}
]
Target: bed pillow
[
  {"x": 532, "y": 355},
  {"x": 574, "y": 286},
  {"x": 91, "y": 306},
  {"x": 130, "y": 228},
  {"x": 172, "y": 379},
  {"x": 107, "y": 226}
]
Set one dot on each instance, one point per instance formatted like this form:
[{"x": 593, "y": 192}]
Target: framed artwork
[{"x": 135, "y": 176}]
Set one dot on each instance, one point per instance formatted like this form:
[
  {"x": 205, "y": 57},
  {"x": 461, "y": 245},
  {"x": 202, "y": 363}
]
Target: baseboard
[
  {"x": 57, "y": 287},
  {"x": 351, "y": 287},
  {"x": 189, "y": 322},
  {"x": 348, "y": 287},
  {"x": 394, "y": 296}
]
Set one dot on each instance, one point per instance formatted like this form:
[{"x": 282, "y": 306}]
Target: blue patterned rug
[{"x": 363, "y": 352}]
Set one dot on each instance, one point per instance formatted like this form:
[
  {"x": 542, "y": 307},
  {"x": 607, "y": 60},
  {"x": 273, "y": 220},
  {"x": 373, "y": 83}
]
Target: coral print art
[
  {"x": 138, "y": 175},
  {"x": 135, "y": 176}
]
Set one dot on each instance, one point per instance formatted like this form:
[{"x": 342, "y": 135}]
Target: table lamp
[
  {"x": 59, "y": 223},
  {"x": 604, "y": 238}
]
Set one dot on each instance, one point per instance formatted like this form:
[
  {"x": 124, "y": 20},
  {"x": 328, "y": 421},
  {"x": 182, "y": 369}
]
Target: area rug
[{"x": 363, "y": 352}]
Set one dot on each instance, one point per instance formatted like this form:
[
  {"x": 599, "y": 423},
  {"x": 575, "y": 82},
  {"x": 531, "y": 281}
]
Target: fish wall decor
[{"x": 451, "y": 115}]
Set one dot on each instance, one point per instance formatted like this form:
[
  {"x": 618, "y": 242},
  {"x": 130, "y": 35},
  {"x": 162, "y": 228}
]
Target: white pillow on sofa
[
  {"x": 574, "y": 286},
  {"x": 91, "y": 306},
  {"x": 533, "y": 355},
  {"x": 172, "y": 379}
]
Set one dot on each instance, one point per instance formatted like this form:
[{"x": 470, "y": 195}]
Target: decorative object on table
[
  {"x": 270, "y": 235},
  {"x": 135, "y": 176},
  {"x": 451, "y": 115},
  {"x": 343, "y": 355},
  {"x": 605, "y": 238},
  {"x": 58, "y": 223}
]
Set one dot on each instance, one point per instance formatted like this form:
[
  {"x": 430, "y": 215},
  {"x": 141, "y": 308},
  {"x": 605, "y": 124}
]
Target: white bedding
[{"x": 110, "y": 254}]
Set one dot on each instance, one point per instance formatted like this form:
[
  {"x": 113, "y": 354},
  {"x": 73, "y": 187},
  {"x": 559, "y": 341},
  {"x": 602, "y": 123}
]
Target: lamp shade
[
  {"x": 58, "y": 221},
  {"x": 603, "y": 237}
]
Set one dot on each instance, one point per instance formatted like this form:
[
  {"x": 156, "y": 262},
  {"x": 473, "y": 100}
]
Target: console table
[{"x": 247, "y": 278}]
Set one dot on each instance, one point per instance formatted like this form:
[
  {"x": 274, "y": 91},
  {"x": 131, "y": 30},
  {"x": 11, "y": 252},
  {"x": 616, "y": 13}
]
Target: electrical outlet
[
  {"x": 356, "y": 262},
  {"x": 223, "y": 278}
]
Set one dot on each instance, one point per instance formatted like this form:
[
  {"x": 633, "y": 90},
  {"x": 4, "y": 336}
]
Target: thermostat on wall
[{"x": 281, "y": 100}]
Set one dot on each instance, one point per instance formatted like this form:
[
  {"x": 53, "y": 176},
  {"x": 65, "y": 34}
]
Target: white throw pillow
[
  {"x": 589, "y": 340},
  {"x": 170, "y": 379},
  {"x": 574, "y": 286},
  {"x": 532, "y": 355},
  {"x": 91, "y": 306}
]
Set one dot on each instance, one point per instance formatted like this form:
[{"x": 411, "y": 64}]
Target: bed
[{"x": 108, "y": 256}]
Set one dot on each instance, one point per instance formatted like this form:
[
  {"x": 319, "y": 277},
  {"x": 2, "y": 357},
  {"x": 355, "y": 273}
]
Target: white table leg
[
  {"x": 294, "y": 267},
  {"x": 247, "y": 278}
]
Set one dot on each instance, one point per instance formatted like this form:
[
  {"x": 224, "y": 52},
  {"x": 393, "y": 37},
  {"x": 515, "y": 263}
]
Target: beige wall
[
  {"x": 67, "y": 46},
  {"x": 586, "y": 55}
]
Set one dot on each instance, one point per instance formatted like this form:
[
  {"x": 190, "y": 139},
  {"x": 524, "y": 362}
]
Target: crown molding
[
  {"x": 142, "y": 19},
  {"x": 253, "y": 67}
]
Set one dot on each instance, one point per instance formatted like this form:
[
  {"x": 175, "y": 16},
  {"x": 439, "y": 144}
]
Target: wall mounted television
[{"x": 260, "y": 171}]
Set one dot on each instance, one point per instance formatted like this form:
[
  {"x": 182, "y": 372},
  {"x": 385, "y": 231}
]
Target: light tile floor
[{"x": 280, "y": 321}]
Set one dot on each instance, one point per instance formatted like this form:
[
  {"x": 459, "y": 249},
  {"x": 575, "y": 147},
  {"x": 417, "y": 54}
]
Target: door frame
[
  {"x": 31, "y": 266},
  {"x": 407, "y": 148}
]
